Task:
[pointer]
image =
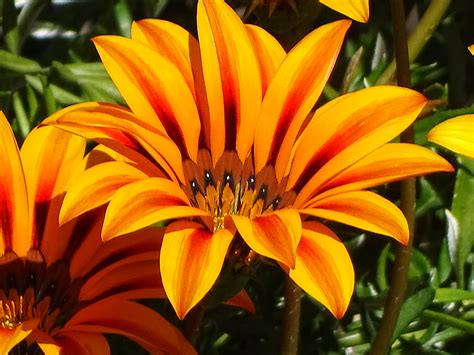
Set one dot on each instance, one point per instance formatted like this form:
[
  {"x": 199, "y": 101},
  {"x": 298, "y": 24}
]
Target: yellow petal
[
  {"x": 365, "y": 210},
  {"x": 391, "y": 162},
  {"x": 95, "y": 187},
  {"x": 293, "y": 92},
  {"x": 231, "y": 76},
  {"x": 190, "y": 261},
  {"x": 14, "y": 216},
  {"x": 323, "y": 268},
  {"x": 143, "y": 203},
  {"x": 471, "y": 49},
  {"x": 154, "y": 89},
  {"x": 9, "y": 338},
  {"x": 355, "y": 9},
  {"x": 275, "y": 235},
  {"x": 456, "y": 134},
  {"x": 345, "y": 130},
  {"x": 269, "y": 53}
]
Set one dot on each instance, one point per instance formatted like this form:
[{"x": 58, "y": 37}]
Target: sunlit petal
[
  {"x": 365, "y": 210},
  {"x": 14, "y": 216},
  {"x": 83, "y": 343},
  {"x": 143, "y": 203},
  {"x": 242, "y": 300},
  {"x": 323, "y": 268},
  {"x": 275, "y": 235},
  {"x": 231, "y": 76},
  {"x": 293, "y": 92},
  {"x": 355, "y": 9},
  {"x": 10, "y": 338},
  {"x": 191, "y": 260},
  {"x": 456, "y": 134}
]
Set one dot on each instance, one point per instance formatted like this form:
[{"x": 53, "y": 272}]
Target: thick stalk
[
  {"x": 420, "y": 36},
  {"x": 290, "y": 329},
  {"x": 398, "y": 284}
]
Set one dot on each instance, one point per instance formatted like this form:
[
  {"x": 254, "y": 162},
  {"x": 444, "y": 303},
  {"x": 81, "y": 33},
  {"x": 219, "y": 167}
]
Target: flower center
[
  {"x": 29, "y": 289},
  {"x": 231, "y": 187}
]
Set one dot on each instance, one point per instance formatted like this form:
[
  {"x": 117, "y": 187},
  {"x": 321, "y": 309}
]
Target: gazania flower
[
  {"x": 217, "y": 140},
  {"x": 356, "y": 9},
  {"x": 456, "y": 134},
  {"x": 61, "y": 287}
]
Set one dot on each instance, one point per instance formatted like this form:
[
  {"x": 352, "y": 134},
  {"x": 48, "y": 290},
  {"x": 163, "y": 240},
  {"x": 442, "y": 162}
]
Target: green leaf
[
  {"x": 123, "y": 18},
  {"x": 10, "y": 28},
  {"x": 461, "y": 209},
  {"x": 444, "y": 295},
  {"x": 382, "y": 267},
  {"x": 444, "y": 262},
  {"x": 62, "y": 97},
  {"x": 428, "y": 199},
  {"x": 20, "y": 114},
  {"x": 449, "y": 320},
  {"x": 412, "y": 308},
  {"x": 18, "y": 64}
]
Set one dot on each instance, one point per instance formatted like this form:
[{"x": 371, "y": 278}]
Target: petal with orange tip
[
  {"x": 391, "y": 162},
  {"x": 171, "y": 41},
  {"x": 190, "y": 261},
  {"x": 275, "y": 235},
  {"x": 323, "y": 268},
  {"x": 365, "y": 210},
  {"x": 471, "y": 49},
  {"x": 9, "y": 338},
  {"x": 242, "y": 300},
  {"x": 154, "y": 88},
  {"x": 14, "y": 215},
  {"x": 119, "y": 129},
  {"x": 82, "y": 343},
  {"x": 345, "y": 130},
  {"x": 269, "y": 53},
  {"x": 456, "y": 134},
  {"x": 143, "y": 203},
  {"x": 355, "y": 9},
  {"x": 96, "y": 186},
  {"x": 231, "y": 77},
  {"x": 292, "y": 93}
]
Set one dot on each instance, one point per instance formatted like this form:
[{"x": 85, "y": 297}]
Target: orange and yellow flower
[
  {"x": 220, "y": 139},
  {"x": 61, "y": 286},
  {"x": 456, "y": 134},
  {"x": 355, "y": 9}
]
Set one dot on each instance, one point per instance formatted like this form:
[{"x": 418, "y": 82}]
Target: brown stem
[
  {"x": 290, "y": 329},
  {"x": 398, "y": 284}
]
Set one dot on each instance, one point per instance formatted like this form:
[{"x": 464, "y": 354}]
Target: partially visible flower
[
  {"x": 471, "y": 49},
  {"x": 456, "y": 134},
  {"x": 220, "y": 141},
  {"x": 61, "y": 287},
  {"x": 355, "y": 9}
]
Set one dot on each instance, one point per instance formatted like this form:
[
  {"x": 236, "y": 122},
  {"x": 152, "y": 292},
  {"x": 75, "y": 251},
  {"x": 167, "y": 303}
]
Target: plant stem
[
  {"x": 290, "y": 329},
  {"x": 398, "y": 284},
  {"x": 192, "y": 322},
  {"x": 420, "y": 36}
]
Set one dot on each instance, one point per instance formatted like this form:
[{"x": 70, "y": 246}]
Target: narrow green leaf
[
  {"x": 444, "y": 262},
  {"x": 62, "y": 97},
  {"x": 449, "y": 320},
  {"x": 18, "y": 64},
  {"x": 444, "y": 295},
  {"x": 20, "y": 114},
  {"x": 428, "y": 199},
  {"x": 123, "y": 18},
  {"x": 412, "y": 308},
  {"x": 93, "y": 70},
  {"x": 382, "y": 267},
  {"x": 33, "y": 104},
  {"x": 10, "y": 28},
  {"x": 461, "y": 209}
]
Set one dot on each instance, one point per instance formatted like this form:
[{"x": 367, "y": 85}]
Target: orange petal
[
  {"x": 50, "y": 158},
  {"x": 231, "y": 76},
  {"x": 10, "y": 338},
  {"x": 391, "y": 162},
  {"x": 143, "y": 203},
  {"x": 82, "y": 343},
  {"x": 293, "y": 92},
  {"x": 50, "y": 349},
  {"x": 190, "y": 262},
  {"x": 275, "y": 235},
  {"x": 365, "y": 210},
  {"x": 14, "y": 219},
  {"x": 345, "y": 130},
  {"x": 355, "y": 9},
  {"x": 323, "y": 268},
  {"x": 456, "y": 134},
  {"x": 242, "y": 300},
  {"x": 471, "y": 49},
  {"x": 122, "y": 131},
  {"x": 269, "y": 53},
  {"x": 154, "y": 89},
  {"x": 171, "y": 41},
  {"x": 96, "y": 186}
]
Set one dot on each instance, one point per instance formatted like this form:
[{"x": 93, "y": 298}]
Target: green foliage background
[{"x": 47, "y": 61}]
